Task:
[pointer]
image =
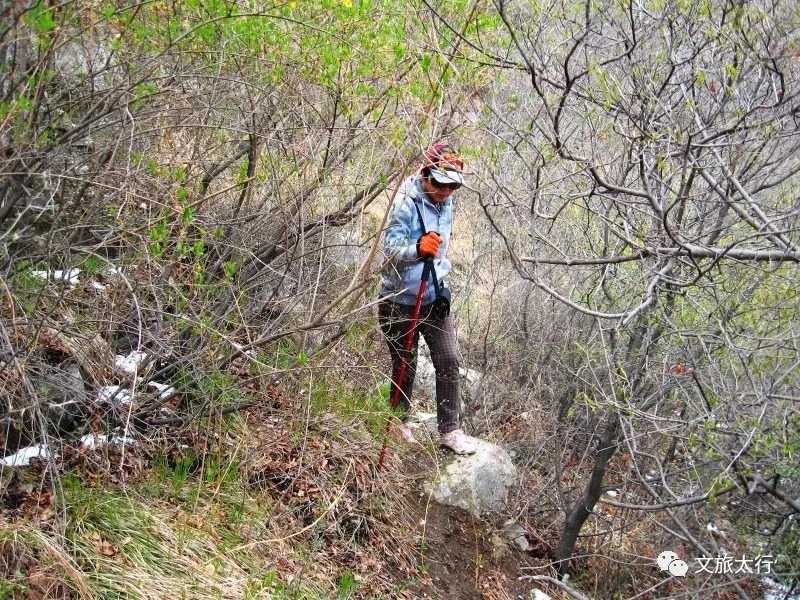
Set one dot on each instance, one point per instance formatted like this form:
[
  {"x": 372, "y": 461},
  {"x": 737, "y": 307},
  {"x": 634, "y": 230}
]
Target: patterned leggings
[{"x": 395, "y": 320}]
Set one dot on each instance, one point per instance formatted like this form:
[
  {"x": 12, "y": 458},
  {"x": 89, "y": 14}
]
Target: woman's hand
[{"x": 428, "y": 245}]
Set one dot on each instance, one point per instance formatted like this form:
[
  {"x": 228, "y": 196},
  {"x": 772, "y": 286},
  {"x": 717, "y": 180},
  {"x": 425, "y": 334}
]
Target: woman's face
[{"x": 437, "y": 194}]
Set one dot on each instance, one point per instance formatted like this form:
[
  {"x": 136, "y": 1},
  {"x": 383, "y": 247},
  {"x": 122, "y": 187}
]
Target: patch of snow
[
  {"x": 99, "y": 286},
  {"x": 712, "y": 528},
  {"x": 611, "y": 493},
  {"x": 165, "y": 391},
  {"x": 114, "y": 393},
  {"x": 131, "y": 362},
  {"x": 92, "y": 441},
  {"x": 114, "y": 271},
  {"x": 23, "y": 457},
  {"x": 68, "y": 275},
  {"x": 539, "y": 595}
]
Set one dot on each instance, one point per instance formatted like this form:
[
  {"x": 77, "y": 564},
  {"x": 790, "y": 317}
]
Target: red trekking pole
[{"x": 408, "y": 345}]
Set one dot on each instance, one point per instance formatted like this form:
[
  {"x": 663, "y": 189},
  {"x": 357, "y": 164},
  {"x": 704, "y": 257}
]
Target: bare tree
[
  {"x": 644, "y": 162},
  {"x": 220, "y": 158}
]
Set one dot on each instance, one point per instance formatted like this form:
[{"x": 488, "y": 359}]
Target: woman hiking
[{"x": 418, "y": 232}]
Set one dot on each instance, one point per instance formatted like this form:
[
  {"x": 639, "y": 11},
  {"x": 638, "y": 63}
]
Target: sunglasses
[{"x": 450, "y": 186}]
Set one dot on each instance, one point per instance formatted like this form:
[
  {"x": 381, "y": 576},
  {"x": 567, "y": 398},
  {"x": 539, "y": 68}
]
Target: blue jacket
[{"x": 403, "y": 268}]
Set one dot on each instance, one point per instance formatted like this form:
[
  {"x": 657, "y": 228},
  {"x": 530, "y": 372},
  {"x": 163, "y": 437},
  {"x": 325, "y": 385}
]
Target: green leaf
[
  {"x": 45, "y": 22},
  {"x": 230, "y": 267},
  {"x": 188, "y": 215},
  {"x": 426, "y": 63}
]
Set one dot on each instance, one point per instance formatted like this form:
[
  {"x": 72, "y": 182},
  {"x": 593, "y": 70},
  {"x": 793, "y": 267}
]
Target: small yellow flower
[{"x": 347, "y": 3}]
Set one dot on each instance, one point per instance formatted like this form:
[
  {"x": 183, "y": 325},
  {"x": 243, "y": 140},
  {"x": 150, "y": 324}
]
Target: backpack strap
[
  {"x": 436, "y": 285},
  {"x": 419, "y": 214}
]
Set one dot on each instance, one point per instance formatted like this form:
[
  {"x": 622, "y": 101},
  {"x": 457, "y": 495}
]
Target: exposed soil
[{"x": 464, "y": 557}]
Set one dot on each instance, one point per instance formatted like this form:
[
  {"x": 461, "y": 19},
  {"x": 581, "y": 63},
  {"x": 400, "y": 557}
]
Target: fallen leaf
[{"x": 102, "y": 546}]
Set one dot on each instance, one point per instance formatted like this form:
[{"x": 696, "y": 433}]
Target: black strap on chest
[{"x": 428, "y": 268}]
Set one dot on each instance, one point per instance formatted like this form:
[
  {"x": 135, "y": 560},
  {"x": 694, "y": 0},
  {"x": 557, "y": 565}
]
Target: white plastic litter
[
  {"x": 131, "y": 362},
  {"x": 114, "y": 393},
  {"x": 23, "y": 457}
]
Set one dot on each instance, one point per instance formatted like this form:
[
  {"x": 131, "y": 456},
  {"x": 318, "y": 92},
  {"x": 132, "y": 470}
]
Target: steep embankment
[{"x": 279, "y": 501}]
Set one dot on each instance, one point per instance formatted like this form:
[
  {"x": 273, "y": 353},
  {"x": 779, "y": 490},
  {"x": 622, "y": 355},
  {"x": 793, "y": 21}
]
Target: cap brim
[{"x": 447, "y": 176}]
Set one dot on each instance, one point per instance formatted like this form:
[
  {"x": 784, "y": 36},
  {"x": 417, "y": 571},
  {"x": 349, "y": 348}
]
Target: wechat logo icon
[{"x": 669, "y": 561}]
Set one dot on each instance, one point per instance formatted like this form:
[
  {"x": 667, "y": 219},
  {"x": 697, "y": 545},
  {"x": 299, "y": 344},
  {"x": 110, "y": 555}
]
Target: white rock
[
  {"x": 425, "y": 379},
  {"x": 478, "y": 483},
  {"x": 344, "y": 247},
  {"x": 23, "y": 457},
  {"x": 473, "y": 380},
  {"x": 516, "y": 533},
  {"x": 777, "y": 591},
  {"x": 426, "y": 421}
]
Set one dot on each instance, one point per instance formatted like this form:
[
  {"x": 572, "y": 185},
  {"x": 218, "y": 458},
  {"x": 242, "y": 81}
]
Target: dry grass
[{"x": 265, "y": 504}]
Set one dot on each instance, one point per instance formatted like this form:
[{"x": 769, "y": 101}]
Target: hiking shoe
[{"x": 459, "y": 442}]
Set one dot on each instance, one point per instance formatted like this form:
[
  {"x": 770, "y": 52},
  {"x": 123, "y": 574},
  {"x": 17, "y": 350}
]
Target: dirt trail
[{"x": 464, "y": 557}]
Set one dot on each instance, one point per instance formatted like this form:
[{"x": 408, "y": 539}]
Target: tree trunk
[{"x": 584, "y": 506}]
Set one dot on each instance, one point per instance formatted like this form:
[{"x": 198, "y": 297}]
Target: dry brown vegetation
[{"x": 206, "y": 395}]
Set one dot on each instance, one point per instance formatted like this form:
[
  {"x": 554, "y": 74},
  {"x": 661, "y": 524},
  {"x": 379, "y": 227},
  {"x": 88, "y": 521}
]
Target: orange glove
[{"x": 428, "y": 245}]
